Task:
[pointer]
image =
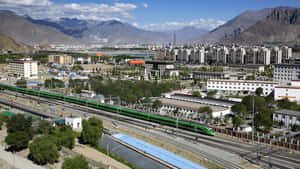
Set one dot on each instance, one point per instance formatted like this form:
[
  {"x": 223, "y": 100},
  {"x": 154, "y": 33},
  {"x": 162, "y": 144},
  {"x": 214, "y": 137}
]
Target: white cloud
[
  {"x": 135, "y": 24},
  {"x": 41, "y": 9},
  {"x": 145, "y": 5},
  {"x": 207, "y": 24},
  {"x": 27, "y": 2}
]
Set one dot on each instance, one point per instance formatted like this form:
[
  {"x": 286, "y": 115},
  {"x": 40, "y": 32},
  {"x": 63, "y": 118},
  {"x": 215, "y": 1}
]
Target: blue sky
[{"x": 146, "y": 14}]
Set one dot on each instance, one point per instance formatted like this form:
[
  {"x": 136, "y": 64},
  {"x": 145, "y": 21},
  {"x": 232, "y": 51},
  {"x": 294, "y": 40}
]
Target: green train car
[{"x": 194, "y": 127}]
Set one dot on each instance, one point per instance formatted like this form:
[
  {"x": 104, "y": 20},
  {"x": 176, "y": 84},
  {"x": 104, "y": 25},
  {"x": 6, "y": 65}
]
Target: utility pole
[
  {"x": 253, "y": 117},
  {"x": 177, "y": 124},
  {"x": 39, "y": 96},
  {"x": 258, "y": 149}
]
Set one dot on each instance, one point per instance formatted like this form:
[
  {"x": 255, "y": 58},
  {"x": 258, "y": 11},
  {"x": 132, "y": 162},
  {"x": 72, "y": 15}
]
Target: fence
[{"x": 292, "y": 144}]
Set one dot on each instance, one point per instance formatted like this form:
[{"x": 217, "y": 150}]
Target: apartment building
[
  {"x": 26, "y": 68},
  {"x": 60, "y": 59},
  {"x": 286, "y": 72},
  {"x": 218, "y": 55},
  {"x": 240, "y": 86}
]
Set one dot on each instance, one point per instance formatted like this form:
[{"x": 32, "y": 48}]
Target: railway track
[{"x": 243, "y": 150}]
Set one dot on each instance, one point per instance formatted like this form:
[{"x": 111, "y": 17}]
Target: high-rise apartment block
[
  {"x": 218, "y": 55},
  {"x": 60, "y": 59}
]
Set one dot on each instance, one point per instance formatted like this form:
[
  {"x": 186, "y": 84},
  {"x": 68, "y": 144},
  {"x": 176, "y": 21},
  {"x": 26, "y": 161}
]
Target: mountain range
[
  {"x": 9, "y": 44},
  {"x": 271, "y": 25},
  {"x": 237, "y": 24},
  {"x": 282, "y": 26}
]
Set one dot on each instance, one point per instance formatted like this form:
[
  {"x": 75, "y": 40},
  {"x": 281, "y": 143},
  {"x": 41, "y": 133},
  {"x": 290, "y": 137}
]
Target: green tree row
[{"x": 131, "y": 91}]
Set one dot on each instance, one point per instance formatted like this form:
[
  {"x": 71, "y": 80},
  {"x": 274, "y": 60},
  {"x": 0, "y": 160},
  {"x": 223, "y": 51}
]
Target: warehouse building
[
  {"x": 190, "y": 109},
  {"x": 288, "y": 117}
]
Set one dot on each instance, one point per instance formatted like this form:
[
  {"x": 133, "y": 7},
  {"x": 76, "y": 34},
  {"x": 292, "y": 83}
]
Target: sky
[{"x": 145, "y": 14}]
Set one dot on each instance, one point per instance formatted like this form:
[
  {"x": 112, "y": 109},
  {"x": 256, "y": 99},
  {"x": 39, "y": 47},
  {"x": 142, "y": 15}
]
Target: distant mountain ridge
[
  {"x": 9, "y": 44},
  {"x": 282, "y": 26},
  {"x": 237, "y": 24},
  {"x": 30, "y": 33},
  {"x": 270, "y": 25},
  {"x": 75, "y": 31}
]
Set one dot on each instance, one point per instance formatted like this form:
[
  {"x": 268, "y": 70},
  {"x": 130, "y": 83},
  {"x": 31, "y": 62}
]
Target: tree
[
  {"x": 78, "y": 162},
  {"x": 252, "y": 77},
  {"x": 237, "y": 121},
  {"x": 77, "y": 68},
  {"x": 226, "y": 120},
  {"x": 22, "y": 83},
  {"x": 43, "y": 151},
  {"x": 270, "y": 101},
  {"x": 19, "y": 123},
  {"x": 259, "y": 91},
  {"x": 295, "y": 128},
  {"x": 17, "y": 141},
  {"x": 54, "y": 83},
  {"x": 176, "y": 111},
  {"x": 264, "y": 120},
  {"x": 212, "y": 93},
  {"x": 63, "y": 137},
  {"x": 92, "y": 131},
  {"x": 286, "y": 104},
  {"x": 207, "y": 110},
  {"x": 259, "y": 103},
  {"x": 3, "y": 118},
  {"x": 44, "y": 127},
  {"x": 157, "y": 104},
  {"x": 196, "y": 93},
  {"x": 239, "y": 110}
]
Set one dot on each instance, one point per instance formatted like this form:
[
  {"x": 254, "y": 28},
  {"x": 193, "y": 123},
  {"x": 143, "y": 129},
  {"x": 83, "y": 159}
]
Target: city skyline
[{"x": 146, "y": 14}]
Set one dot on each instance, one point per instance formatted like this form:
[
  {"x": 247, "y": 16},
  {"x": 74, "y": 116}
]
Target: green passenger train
[{"x": 194, "y": 127}]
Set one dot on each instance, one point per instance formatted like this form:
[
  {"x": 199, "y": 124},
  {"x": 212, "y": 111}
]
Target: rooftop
[
  {"x": 189, "y": 105},
  {"x": 158, "y": 152},
  {"x": 159, "y": 62},
  {"x": 288, "y": 87},
  {"x": 210, "y": 101},
  {"x": 7, "y": 113},
  {"x": 244, "y": 81},
  {"x": 288, "y": 112},
  {"x": 25, "y": 60}
]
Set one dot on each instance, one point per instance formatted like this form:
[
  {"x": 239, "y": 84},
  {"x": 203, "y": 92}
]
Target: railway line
[{"x": 246, "y": 151}]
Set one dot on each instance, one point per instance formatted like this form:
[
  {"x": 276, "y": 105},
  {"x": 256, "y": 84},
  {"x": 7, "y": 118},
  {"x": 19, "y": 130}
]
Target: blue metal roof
[
  {"x": 157, "y": 152},
  {"x": 35, "y": 83}
]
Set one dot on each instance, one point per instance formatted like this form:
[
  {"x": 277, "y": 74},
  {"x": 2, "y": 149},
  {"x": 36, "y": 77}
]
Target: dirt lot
[{"x": 95, "y": 155}]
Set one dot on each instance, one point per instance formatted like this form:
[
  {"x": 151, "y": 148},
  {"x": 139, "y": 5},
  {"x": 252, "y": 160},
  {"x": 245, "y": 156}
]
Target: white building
[
  {"x": 26, "y": 68},
  {"x": 74, "y": 122},
  {"x": 288, "y": 117},
  {"x": 189, "y": 109},
  {"x": 286, "y": 72},
  {"x": 291, "y": 92},
  {"x": 238, "y": 86}
]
